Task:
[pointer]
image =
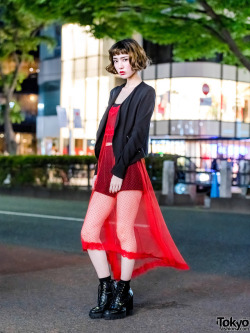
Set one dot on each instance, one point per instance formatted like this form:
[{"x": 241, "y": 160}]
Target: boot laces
[
  {"x": 118, "y": 294},
  {"x": 102, "y": 291}
]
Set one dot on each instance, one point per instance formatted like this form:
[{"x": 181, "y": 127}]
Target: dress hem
[{"x": 131, "y": 255}]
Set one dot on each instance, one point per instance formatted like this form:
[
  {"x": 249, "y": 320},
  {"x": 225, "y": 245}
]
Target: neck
[{"x": 133, "y": 80}]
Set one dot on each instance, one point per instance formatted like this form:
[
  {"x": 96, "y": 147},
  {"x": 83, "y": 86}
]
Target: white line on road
[
  {"x": 57, "y": 217},
  {"x": 41, "y": 216}
]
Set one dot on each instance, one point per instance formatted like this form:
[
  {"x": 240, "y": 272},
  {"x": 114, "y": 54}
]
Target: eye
[{"x": 125, "y": 59}]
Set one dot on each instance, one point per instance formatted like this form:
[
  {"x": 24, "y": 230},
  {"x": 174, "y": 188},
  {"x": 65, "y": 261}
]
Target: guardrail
[
  {"x": 197, "y": 171},
  {"x": 70, "y": 171}
]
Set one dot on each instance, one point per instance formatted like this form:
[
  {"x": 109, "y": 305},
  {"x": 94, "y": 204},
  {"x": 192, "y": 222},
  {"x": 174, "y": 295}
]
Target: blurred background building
[{"x": 202, "y": 108}]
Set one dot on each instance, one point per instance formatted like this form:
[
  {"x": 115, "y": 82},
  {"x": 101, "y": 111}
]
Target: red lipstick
[{"x": 122, "y": 73}]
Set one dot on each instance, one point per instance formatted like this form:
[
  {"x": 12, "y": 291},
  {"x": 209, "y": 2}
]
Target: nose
[{"x": 120, "y": 64}]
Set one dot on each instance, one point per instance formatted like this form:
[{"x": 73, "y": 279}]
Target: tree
[
  {"x": 18, "y": 38},
  {"x": 197, "y": 28}
]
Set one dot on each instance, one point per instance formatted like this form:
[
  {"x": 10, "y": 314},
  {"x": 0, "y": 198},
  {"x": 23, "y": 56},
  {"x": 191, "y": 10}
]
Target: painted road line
[
  {"x": 56, "y": 217},
  {"x": 41, "y": 216}
]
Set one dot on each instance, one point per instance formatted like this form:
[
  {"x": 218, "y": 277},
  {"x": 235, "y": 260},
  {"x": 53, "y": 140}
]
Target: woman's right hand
[{"x": 93, "y": 181}]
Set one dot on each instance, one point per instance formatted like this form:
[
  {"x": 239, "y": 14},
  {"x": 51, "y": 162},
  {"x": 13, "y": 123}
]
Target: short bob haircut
[{"x": 137, "y": 56}]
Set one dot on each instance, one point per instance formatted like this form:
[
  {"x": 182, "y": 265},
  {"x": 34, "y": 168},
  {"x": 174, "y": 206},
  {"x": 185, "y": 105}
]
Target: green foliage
[
  {"x": 16, "y": 116},
  {"x": 34, "y": 170},
  {"x": 196, "y": 28},
  {"x": 19, "y": 30},
  {"x": 154, "y": 165},
  {"x": 20, "y": 78},
  {"x": 19, "y": 37}
]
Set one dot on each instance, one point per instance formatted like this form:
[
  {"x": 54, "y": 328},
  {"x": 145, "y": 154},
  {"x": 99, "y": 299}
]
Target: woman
[{"x": 123, "y": 225}]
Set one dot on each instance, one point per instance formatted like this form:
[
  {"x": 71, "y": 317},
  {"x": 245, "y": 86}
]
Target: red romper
[{"x": 132, "y": 179}]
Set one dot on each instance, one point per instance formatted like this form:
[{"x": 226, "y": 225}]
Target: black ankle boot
[
  {"x": 106, "y": 290},
  {"x": 121, "y": 304}
]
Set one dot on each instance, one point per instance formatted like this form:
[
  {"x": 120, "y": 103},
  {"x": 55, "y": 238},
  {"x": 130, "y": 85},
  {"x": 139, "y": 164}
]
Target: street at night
[{"x": 49, "y": 285}]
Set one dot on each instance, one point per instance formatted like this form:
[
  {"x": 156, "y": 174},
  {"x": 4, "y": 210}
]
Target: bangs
[
  {"x": 117, "y": 51},
  {"x": 121, "y": 47}
]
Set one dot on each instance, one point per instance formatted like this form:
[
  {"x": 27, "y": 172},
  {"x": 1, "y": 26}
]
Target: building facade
[
  {"x": 202, "y": 108},
  {"x": 49, "y": 81}
]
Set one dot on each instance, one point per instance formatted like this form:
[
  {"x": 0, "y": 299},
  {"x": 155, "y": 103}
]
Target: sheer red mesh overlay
[{"x": 129, "y": 222}]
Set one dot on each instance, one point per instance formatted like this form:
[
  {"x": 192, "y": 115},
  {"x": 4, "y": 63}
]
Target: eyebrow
[{"x": 121, "y": 57}]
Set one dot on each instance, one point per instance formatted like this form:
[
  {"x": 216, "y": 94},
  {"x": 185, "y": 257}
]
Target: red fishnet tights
[
  {"x": 101, "y": 205},
  {"x": 127, "y": 231}
]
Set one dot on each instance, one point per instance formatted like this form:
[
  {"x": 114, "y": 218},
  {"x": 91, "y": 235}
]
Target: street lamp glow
[{"x": 40, "y": 106}]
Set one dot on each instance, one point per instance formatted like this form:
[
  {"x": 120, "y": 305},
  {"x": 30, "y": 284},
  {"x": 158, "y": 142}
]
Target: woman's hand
[
  {"x": 115, "y": 184},
  {"x": 93, "y": 181}
]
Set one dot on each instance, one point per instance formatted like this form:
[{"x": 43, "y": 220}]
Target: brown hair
[{"x": 137, "y": 56}]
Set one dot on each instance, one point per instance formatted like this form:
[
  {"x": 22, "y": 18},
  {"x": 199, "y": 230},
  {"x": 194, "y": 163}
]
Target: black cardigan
[{"x": 131, "y": 133}]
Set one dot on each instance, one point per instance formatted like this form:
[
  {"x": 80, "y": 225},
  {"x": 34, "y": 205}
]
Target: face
[{"x": 122, "y": 65}]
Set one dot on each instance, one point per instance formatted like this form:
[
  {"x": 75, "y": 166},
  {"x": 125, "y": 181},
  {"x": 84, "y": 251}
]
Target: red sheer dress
[{"x": 129, "y": 222}]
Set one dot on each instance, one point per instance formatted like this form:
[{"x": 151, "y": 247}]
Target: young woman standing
[{"x": 124, "y": 228}]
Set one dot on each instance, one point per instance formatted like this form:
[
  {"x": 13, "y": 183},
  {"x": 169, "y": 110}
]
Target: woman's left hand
[{"x": 115, "y": 184}]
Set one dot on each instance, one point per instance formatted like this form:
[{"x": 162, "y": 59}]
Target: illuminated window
[
  {"x": 243, "y": 102},
  {"x": 162, "y": 99},
  {"x": 84, "y": 84},
  {"x": 228, "y": 101},
  {"x": 189, "y": 99}
]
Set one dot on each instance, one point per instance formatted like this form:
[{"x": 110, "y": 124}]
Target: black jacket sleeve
[
  {"x": 138, "y": 135},
  {"x": 110, "y": 97},
  {"x": 96, "y": 168}
]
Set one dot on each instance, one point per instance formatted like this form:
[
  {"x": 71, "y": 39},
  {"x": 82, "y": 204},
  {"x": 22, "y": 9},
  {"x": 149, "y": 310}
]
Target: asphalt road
[{"x": 48, "y": 285}]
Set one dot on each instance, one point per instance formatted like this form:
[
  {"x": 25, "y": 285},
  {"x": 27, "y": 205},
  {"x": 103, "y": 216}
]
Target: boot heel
[
  {"x": 129, "y": 307},
  {"x": 121, "y": 304}
]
